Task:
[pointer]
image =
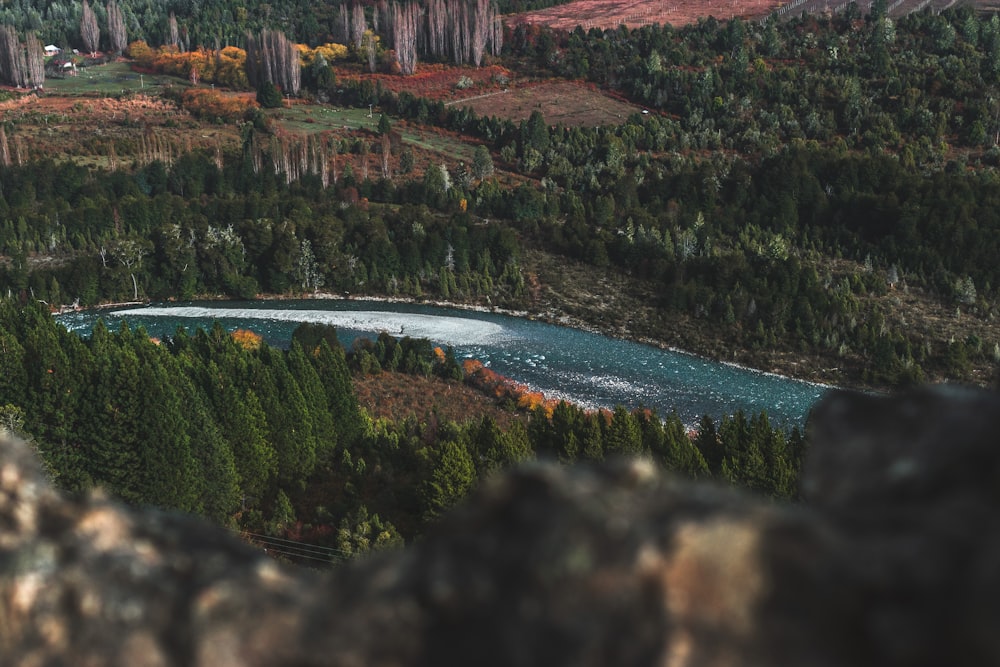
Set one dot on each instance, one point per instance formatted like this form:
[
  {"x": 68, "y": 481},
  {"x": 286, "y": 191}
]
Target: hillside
[{"x": 816, "y": 195}]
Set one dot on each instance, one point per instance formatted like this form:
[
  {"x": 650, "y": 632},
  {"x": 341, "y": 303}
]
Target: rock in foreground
[{"x": 893, "y": 560}]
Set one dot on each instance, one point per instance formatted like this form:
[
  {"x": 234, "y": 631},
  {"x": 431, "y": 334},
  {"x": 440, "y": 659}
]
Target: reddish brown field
[
  {"x": 572, "y": 104},
  {"x": 496, "y": 92},
  {"x": 435, "y": 81},
  {"x": 399, "y": 396},
  {"x": 612, "y": 13},
  {"x": 86, "y": 128}
]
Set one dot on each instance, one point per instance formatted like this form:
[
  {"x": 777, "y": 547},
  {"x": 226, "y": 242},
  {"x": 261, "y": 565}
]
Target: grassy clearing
[
  {"x": 450, "y": 146},
  {"x": 311, "y": 119},
  {"x": 109, "y": 79}
]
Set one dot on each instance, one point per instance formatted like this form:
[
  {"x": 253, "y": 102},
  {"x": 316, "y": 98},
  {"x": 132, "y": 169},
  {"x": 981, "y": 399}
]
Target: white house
[{"x": 52, "y": 50}]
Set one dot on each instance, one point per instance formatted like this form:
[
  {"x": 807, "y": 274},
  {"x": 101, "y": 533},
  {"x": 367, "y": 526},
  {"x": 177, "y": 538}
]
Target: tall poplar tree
[
  {"x": 117, "y": 34},
  {"x": 90, "y": 34}
]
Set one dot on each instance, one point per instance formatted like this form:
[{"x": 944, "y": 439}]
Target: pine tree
[
  {"x": 169, "y": 475},
  {"x": 314, "y": 394},
  {"x": 290, "y": 427},
  {"x": 622, "y": 434},
  {"x": 451, "y": 477},
  {"x": 482, "y": 162},
  {"x": 110, "y": 427},
  {"x": 13, "y": 376},
  {"x": 708, "y": 443},
  {"x": 592, "y": 440},
  {"x": 495, "y": 448}
]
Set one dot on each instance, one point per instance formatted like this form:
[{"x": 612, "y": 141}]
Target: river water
[{"x": 588, "y": 369}]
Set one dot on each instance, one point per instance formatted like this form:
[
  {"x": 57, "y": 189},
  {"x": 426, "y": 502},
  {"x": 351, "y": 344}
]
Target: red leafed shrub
[
  {"x": 209, "y": 104},
  {"x": 493, "y": 384}
]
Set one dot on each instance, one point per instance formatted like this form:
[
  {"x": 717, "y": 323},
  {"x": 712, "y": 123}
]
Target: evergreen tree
[
  {"x": 622, "y": 434},
  {"x": 342, "y": 402},
  {"x": 314, "y": 394},
  {"x": 482, "y": 162},
  {"x": 268, "y": 95},
  {"x": 290, "y": 427},
  {"x": 452, "y": 475},
  {"x": 496, "y": 449},
  {"x": 708, "y": 444},
  {"x": 169, "y": 474},
  {"x": 592, "y": 440}
]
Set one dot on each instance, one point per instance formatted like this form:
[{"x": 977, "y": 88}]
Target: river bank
[{"x": 610, "y": 303}]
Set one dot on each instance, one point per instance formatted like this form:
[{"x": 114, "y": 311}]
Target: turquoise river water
[{"x": 585, "y": 368}]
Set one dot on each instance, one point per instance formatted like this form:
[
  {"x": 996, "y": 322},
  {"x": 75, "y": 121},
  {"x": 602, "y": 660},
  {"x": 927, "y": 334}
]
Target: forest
[
  {"x": 791, "y": 188},
  {"x": 273, "y": 441}
]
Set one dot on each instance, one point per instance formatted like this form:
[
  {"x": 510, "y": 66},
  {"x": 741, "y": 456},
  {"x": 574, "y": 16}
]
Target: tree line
[
  {"x": 732, "y": 241},
  {"x": 274, "y": 441}
]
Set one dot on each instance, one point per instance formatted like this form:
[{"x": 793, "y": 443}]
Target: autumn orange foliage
[
  {"x": 210, "y": 104},
  {"x": 247, "y": 339},
  {"x": 499, "y": 386},
  {"x": 225, "y": 67}
]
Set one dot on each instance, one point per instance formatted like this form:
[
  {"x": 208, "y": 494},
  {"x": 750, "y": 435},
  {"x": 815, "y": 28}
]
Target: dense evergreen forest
[
  {"x": 788, "y": 183},
  {"x": 273, "y": 440}
]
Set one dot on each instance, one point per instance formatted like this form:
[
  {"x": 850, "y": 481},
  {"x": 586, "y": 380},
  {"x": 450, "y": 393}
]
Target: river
[{"x": 585, "y": 368}]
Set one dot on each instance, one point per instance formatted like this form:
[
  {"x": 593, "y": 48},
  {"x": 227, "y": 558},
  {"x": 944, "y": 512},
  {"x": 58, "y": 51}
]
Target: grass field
[
  {"x": 310, "y": 119},
  {"x": 109, "y": 79}
]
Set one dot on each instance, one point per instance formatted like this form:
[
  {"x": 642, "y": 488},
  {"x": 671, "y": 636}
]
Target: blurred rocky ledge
[{"x": 893, "y": 559}]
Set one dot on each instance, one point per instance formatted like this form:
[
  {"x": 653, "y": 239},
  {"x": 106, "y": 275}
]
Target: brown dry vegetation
[
  {"x": 566, "y": 102},
  {"x": 398, "y": 396},
  {"x": 612, "y": 13},
  {"x": 433, "y": 81},
  {"x": 85, "y": 129},
  {"x": 497, "y": 92}
]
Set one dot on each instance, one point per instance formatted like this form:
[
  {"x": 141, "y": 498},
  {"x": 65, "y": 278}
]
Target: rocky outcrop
[{"x": 893, "y": 559}]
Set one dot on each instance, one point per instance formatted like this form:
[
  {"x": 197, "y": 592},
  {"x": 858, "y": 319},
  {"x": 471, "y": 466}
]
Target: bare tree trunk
[
  {"x": 4, "y": 148},
  {"x": 13, "y": 69},
  {"x": 481, "y": 29},
  {"x": 175, "y": 35},
  {"x": 437, "y": 16},
  {"x": 358, "y": 25},
  {"x": 272, "y": 57},
  {"x": 343, "y": 25},
  {"x": 368, "y": 47},
  {"x": 116, "y": 28},
  {"x": 89, "y": 32},
  {"x": 386, "y": 156},
  {"x": 404, "y": 22},
  {"x": 496, "y": 44},
  {"x": 34, "y": 62}
]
